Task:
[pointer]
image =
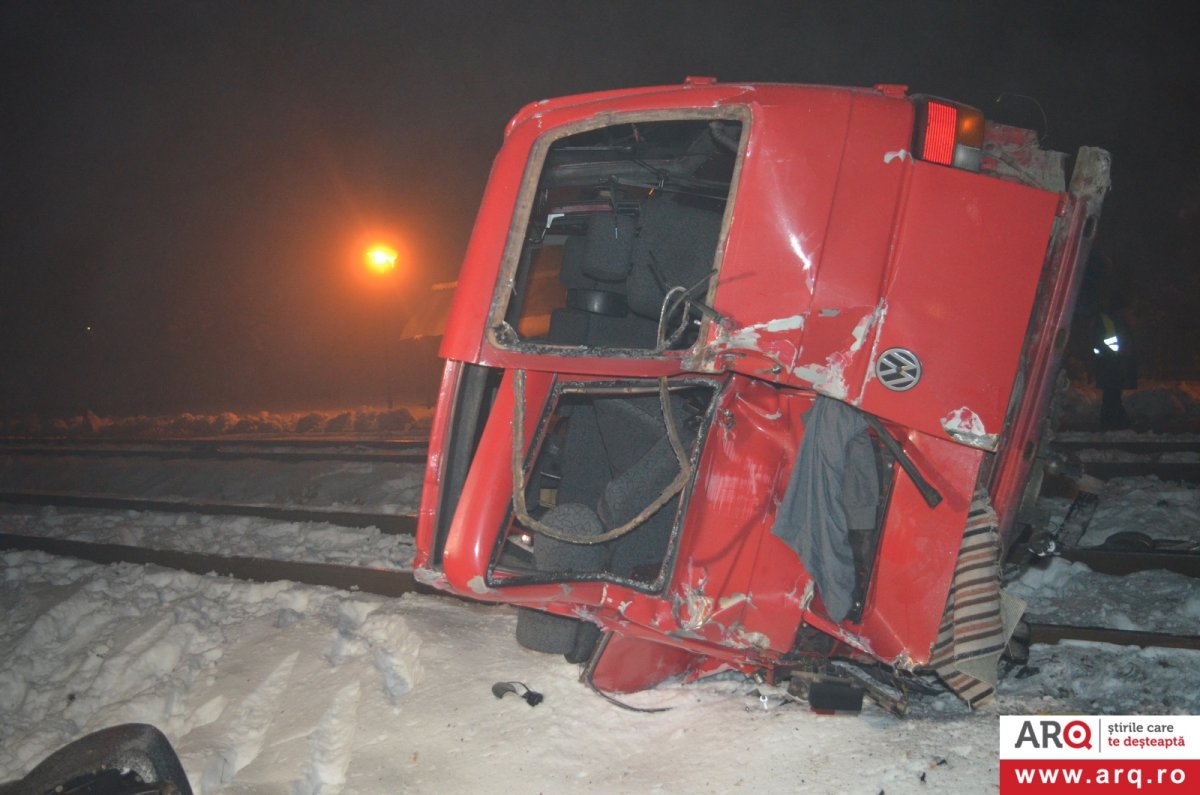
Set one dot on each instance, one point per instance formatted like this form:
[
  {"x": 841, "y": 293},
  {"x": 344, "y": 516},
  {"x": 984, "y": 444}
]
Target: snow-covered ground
[
  {"x": 245, "y": 536},
  {"x": 281, "y": 687}
]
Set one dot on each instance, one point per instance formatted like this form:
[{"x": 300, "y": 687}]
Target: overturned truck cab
[{"x": 753, "y": 377}]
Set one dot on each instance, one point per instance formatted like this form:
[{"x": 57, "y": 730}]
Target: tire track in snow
[
  {"x": 247, "y": 730},
  {"x": 141, "y": 660},
  {"x": 331, "y": 746}
]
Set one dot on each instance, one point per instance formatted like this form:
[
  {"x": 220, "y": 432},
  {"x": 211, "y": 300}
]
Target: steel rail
[
  {"x": 398, "y": 524},
  {"x": 1139, "y": 446},
  {"x": 394, "y": 583},
  {"x": 1053, "y": 633},
  {"x": 383, "y": 582},
  {"x": 268, "y": 440},
  {"x": 1182, "y": 471},
  {"x": 226, "y": 450},
  {"x": 1126, "y": 561}
]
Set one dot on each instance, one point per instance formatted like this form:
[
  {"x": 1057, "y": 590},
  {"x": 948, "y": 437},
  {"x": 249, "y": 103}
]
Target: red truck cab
[{"x": 740, "y": 376}]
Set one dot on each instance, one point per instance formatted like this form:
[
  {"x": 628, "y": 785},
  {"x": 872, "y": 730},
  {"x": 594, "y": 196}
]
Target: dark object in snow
[
  {"x": 834, "y": 697},
  {"x": 827, "y": 695},
  {"x": 1016, "y": 650},
  {"x": 1129, "y": 540},
  {"x": 1078, "y": 517},
  {"x": 532, "y": 697},
  {"x": 130, "y": 759},
  {"x": 1027, "y": 671},
  {"x": 546, "y": 632}
]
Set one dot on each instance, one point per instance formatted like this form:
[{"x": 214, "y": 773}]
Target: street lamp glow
[{"x": 381, "y": 259}]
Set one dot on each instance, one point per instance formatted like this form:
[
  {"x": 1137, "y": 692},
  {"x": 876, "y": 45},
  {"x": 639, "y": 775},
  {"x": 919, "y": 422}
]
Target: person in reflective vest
[{"x": 1115, "y": 366}]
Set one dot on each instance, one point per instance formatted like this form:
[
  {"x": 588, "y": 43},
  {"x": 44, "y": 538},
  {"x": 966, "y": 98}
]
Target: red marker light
[
  {"x": 940, "y": 128},
  {"x": 948, "y": 133}
]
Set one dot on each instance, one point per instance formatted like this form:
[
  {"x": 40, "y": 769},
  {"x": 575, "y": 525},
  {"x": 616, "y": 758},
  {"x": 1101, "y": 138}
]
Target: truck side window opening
[
  {"x": 623, "y": 216},
  {"x": 603, "y": 459}
]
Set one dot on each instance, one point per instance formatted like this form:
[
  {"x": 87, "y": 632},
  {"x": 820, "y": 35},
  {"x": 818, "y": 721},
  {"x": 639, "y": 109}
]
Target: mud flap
[{"x": 979, "y": 617}]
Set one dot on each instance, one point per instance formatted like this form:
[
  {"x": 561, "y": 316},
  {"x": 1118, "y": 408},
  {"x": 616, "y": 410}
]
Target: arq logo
[{"x": 1075, "y": 734}]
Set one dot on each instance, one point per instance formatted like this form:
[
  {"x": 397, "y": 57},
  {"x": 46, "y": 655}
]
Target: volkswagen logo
[{"x": 898, "y": 369}]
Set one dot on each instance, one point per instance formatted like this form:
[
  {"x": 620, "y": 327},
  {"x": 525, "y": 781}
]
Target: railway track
[
  {"x": 394, "y": 583},
  {"x": 1156, "y": 458},
  {"x": 287, "y": 449},
  {"x": 1135, "y": 446},
  {"x": 295, "y": 449},
  {"x": 398, "y": 582},
  {"x": 1181, "y": 471},
  {"x": 1124, "y": 561},
  {"x": 385, "y": 582},
  {"x": 404, "y": 524},
  {"x": 1046, "y": 634}
]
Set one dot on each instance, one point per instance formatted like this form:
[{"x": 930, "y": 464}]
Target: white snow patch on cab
[{"x": 967, "y": 427}]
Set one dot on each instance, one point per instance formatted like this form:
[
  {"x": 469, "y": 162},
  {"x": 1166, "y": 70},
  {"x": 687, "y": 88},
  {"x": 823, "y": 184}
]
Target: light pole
[{"x": 381, "y": 260}]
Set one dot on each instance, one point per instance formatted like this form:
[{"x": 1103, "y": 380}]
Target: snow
[
  {"x": 1060, "y": 592},
  {"x": 1160, "y": 510},
  {"x": 375, "y": 487},
  {"x": 317, "y": 542},
  {"x": 288, "y": 688}
]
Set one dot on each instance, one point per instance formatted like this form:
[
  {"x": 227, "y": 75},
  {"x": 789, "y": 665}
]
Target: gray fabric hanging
[{"x": 834, "y": 487}]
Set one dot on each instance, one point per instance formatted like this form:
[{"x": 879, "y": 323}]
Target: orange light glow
[{"x": 381, "y": 259}]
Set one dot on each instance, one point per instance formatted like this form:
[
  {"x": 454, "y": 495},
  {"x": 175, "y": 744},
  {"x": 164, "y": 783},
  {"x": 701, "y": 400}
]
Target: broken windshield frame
[{"x": 618, "y": 235}]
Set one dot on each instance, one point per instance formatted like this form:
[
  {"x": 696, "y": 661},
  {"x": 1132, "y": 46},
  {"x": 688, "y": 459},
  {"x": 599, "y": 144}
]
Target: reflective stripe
[
  {"x": 1111, "y": 340},
  {"x": 1110, "y": 328}
]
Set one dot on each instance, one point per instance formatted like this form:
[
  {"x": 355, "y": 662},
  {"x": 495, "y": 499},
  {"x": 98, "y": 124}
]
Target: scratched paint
[
  {"x": 747, "y": 337},
  {"x": 699, "y": 608},
  {"x": 899, "y": 154},
  {"x": 863, "y": 328},
  {"x": 829, "y": 378},
  {"x": 882, "y": 310},
  {"x": 755, "y": 640},
  {"x": 477, "y": 585},
  {"x": 727, "y": 602}
]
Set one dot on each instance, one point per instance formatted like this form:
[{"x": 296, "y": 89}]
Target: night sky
[{"x": 187, "y": 187}]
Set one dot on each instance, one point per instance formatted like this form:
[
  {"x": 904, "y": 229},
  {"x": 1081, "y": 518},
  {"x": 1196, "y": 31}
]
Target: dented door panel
[{"x": 968, "y": 256}]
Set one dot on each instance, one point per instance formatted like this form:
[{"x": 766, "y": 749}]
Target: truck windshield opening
[{"x": 621, "y": 241}]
